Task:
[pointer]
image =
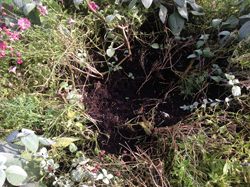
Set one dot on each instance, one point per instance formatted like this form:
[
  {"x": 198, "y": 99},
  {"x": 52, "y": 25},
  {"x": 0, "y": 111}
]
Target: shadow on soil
[{"x": 121, "y": 99}]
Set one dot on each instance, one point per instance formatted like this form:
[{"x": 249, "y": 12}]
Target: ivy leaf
[
  {"x": 216, "y": 22},
  {"x": 183, "y": 11},
  {"x": 176, "y": 23},
  {"x": 194, "y": 5},
  {"x": 163, "y": 13},
  {"x": 155, "y": 46},
  {"x": 244, "y": 6},
  {"x": 3, "y": 159},
  {"x": 180, "y": 2},
  {"x": 225, "y": 33},
  {"x": 207, "y": 53},
  {"x": 110, "y": 52},
  {"x": 131, "y": 4},
  {"x": 147, "y": 3},
  {"x": 10, "y": 148},
  {"x": 198, "y": 51},
  {"x": 2, "y": 177},
  {"x": 204, "y": 37},
  {"x": 21, "y": 3},
  {"x": 12, "y": 136},
  {"x": 72, "y": 148},
  {"x": 31, "y": 141},
  {"x": 16, "y": 175},
  {"x": 196, "y": 13},
  {"x": 63, "y": 84},
  {"x": 199, "y": 44},
  {"x": 192, "y": 56},
  {"x": 244, "y": 31},
  {"x": 14, "y": 159},
  {"x": 230, "y": 23},
  {"x": 46, "y": 141},
  {"x": 216, "y": 78},
  {"x": 109, "y": 18},
  {"x": 243, "y": 19},
  {"x": 77, "y": 3},
  {"x": 28, "y": 8}
]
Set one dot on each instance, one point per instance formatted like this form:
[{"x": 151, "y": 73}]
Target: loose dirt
[{"x": 120, "y": 99}]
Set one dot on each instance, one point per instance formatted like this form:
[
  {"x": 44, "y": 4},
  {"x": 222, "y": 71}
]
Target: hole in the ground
[{"x": 116, "y": 101}]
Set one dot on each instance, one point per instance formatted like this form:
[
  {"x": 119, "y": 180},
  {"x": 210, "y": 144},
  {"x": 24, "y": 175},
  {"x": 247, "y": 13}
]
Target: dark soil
[{"x": 118, "y": 99}]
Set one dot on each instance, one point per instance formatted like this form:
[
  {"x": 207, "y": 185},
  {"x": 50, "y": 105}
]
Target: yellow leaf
[
  {"x": 146, "y": 127},
  {"x": 71, "y": 114},
  {"x": 64, "y": 141}
]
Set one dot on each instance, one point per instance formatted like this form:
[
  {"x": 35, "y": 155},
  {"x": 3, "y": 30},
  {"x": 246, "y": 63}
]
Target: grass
[{"x": 210, "y": 147}]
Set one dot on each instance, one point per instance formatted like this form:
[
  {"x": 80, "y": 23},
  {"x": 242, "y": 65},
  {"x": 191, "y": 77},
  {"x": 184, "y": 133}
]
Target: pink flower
[
  {"x": 23, "y": 23},
  {"x": 3, "y": 45},
  {"x": 19, "y": 74},
  {"x": 13, "y": 70},
  {"x": 10, "y": 48},
  {"x": 3, "y": 25},
  {"x": 8, "y": 32},
  {"x": 213, "y": 4},
  {"x": 71, "y": 20},
  {"x": 4, "y": 14},
  {"x": 11, "y": 6},
  {"x": 10, "y": 85},
  {"x": 18, "y": 54},
  {"x": 2, "y": 7},
  {"x": 12, "y": 24},
  {"x": 118, "y": 174},
  {"x": 43, "y": 10},
  {"x": 93, "y": 5},
  {"x": 19, "y": 61},
  {"x": 2, "y": 55},
  {"x": 13, "y": 36}
]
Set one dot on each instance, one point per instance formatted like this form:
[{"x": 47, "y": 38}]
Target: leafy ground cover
[{"x": 124, "y": 93}]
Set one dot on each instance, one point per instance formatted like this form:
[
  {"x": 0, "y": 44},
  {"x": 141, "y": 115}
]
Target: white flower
[
  {"x": 58, "y": 181},
  {"x": 236, "y": 81},
  {"x": 42, "y": 152},
  {"x": 105, "y": 176},
  {"x": 230, "y": 82}
]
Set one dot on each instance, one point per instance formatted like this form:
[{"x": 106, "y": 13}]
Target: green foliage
[
  {"x": 12, "y": 164},
  {"x": 210, "y": 148}
]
